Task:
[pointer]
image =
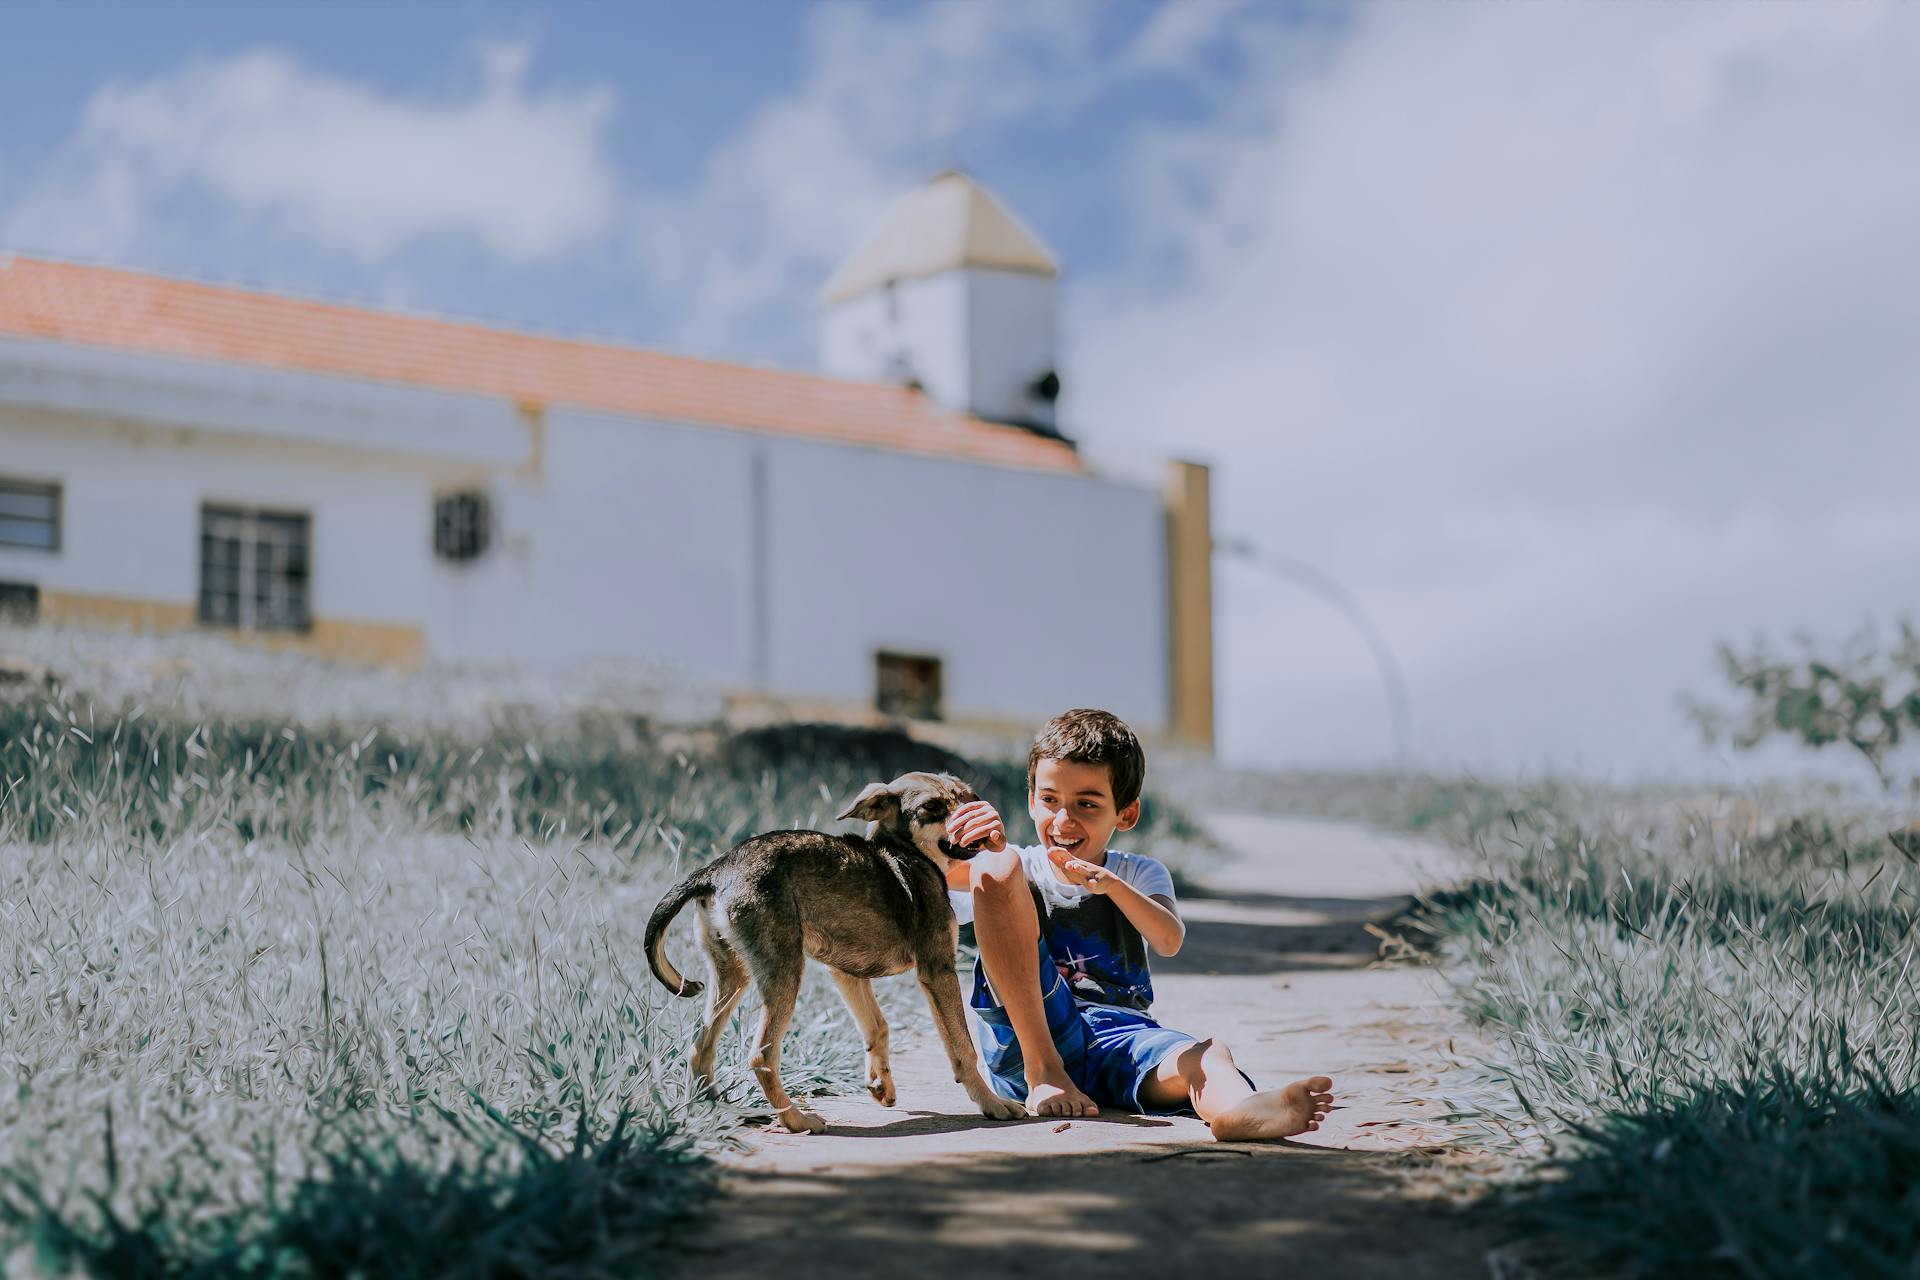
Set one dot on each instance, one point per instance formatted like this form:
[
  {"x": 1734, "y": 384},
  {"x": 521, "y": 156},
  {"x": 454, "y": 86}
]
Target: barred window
[
  {"x": 29, "y": 515},
  {"x": 462, "y": 525},
  {"x": 254, "y": 569},
  {"x": 907, "y": 686}
]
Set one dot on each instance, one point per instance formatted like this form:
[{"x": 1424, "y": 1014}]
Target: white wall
[
  {"x": 924, "y": 321},
  {"x": 1038, "y": 591},
  {"x": 253, "y": 403},
  {"x": 857, "y": 338},
  {"x": 976, "y": 339},
  {"x": 130, "y": 519},
  {"x": 637, "y": 546},
  {"x": 474, "y": 607},
  {"x": 1010, "y": 336}
]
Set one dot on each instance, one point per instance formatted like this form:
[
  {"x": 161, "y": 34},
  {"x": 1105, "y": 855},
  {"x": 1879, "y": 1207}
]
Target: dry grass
[
  {"x": 272, "y": 988},
  {"x": 1705, "y": 1008}
]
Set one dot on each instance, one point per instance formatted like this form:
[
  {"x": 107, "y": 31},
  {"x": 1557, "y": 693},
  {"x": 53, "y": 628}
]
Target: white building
[{"x": 381, "y": 487}]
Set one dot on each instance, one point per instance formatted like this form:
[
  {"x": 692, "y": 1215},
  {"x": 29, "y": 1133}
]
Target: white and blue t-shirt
[{"x": 1094, "y": 946}]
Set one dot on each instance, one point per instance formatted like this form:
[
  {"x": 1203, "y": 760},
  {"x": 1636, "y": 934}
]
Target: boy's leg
[
  {"x": 1204, "y": 1075},
  {"x": 1008, "y": 933}
]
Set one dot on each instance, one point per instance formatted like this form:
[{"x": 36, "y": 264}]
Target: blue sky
[
  {"x": 1571, "y": 338},
  {"x": 680, "y": 97},
  {"x": 673, "y": 84}
]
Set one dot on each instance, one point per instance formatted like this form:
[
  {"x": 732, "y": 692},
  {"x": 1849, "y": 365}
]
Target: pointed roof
[
  {"x": 950, "y": 222},
  {"x": 128, "y": 310}
]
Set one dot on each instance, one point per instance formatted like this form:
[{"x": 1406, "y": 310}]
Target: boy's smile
[{"x": 1072, "y": 808}]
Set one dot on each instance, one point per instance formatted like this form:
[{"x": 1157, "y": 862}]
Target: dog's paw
[
  {"x": 800, "y": 1120},
  {"x": 881, "y": 1087},
  {"x": 995, "y": 1107}
]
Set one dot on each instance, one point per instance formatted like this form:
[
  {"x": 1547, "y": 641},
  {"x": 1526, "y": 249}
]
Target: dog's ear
[{"x": 873, "y": 804}]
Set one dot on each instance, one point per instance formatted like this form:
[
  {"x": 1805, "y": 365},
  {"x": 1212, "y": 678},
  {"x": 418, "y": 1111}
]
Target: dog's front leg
[{"x": 942, "y": 986}]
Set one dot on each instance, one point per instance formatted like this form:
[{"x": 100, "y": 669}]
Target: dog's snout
[{"x": 960, "y": 852}]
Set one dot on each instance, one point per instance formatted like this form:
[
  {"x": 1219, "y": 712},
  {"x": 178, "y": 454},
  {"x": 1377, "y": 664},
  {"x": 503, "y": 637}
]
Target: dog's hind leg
[
  {"x": 858, "y": 993},
  {"x": 723, "y": 995},
  {"x": 779, "y": 983}
]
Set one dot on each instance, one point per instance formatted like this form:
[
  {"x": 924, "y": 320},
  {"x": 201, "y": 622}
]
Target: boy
[{"x": 1061, "y": 993}]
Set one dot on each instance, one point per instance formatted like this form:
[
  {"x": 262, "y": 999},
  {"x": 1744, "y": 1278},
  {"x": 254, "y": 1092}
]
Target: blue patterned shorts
[{"x": 1109, "y": 1052}]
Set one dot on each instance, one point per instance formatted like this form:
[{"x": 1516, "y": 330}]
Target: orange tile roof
[{"x": 134, "y": 311}]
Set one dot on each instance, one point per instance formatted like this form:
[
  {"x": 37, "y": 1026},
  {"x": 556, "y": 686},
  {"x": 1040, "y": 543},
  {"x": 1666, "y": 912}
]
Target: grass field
[
  {"x": 359, "y": 988},
  {"x": 1706, "y": 1005},
  {"x": 321, "y": 995}
]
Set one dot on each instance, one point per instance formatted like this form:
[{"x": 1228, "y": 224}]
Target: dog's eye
[{"x": 934, "y": 813}]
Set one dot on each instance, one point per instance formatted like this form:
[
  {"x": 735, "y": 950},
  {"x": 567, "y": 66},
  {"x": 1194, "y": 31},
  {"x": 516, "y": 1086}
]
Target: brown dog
[{"x": 865, "y": 908}]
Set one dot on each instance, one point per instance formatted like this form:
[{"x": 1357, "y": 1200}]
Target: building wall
[
  {"x": 976, "y": 339},
  {"x": 747, "y": 563},
  {"x": 130, "y": 526},
  {"x": 1037, "y": 591},
  {"x": 922, "y": 320},
  {"x": 635, "y": 546},
  {"x": 786, "y": 575},
  {"x": 1010, "y": 325}
]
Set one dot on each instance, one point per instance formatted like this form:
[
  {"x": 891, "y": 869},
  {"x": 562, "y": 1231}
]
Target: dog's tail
[{"x": 694, "y": 886}]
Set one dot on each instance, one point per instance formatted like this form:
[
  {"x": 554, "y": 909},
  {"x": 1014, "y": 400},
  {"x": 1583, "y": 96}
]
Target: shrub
[{"x": 1864, "y": 698}]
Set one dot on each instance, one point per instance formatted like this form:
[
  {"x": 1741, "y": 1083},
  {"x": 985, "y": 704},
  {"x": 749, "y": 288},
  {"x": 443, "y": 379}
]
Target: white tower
[{"x": 949, "y": 293}]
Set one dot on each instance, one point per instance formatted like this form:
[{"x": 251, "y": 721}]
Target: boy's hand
[
  {"x": 1094, "y": 879},
  {"x": 976, "y": 825}
]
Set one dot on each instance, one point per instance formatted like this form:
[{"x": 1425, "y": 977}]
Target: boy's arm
[{"x": 1153, "y": 916}]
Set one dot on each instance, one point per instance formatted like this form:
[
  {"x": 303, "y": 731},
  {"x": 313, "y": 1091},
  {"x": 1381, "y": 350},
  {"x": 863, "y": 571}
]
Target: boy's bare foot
[
  {"x": 1277, "y": 1113},
  {"x": 1058, "y": 1097}
]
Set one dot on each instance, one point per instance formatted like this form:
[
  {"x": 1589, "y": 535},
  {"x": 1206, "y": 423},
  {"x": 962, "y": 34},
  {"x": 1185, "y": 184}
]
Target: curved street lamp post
[{"x": 1305, "y": 575}]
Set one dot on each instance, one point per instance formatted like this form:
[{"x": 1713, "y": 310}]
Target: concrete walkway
[{"x": 1279, "y": 963}]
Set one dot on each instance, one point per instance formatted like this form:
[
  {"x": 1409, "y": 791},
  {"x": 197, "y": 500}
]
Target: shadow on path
[
  {"x": 1336, "y": 908},
  {"x": 1273, "y": 933},
  {"x": 921, "y": 1124},
  {"x": 1234, "y": 1209}
]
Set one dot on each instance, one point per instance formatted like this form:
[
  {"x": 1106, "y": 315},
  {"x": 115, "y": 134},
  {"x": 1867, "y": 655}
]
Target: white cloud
[
  {"x": 885, "y": 101},
  {"x": 330, "y": 160},
  {"x": 1572, "y": 339},
  {"x": 1172, "y": 40}
]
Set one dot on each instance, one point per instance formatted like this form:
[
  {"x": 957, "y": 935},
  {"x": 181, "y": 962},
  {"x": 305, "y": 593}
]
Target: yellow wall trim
[
  {"x": 1190, "y": 604},
  {"x": 119, "y": 613},
  {"x": 533, "y": 415},
  {"x": 382, "y": 644}
]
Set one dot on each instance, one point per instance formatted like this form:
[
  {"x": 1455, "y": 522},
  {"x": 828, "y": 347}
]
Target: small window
[
  {"x": 907, "y": 686},
  {"x": 462, "y": 525},
  {"x": 254, "y": 569},
  {"x": 29, "y": 515},
  {"x": 19, "y": 601}
]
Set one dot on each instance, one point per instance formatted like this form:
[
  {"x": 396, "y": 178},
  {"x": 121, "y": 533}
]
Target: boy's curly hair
[{"x": 1087, "y": 736}]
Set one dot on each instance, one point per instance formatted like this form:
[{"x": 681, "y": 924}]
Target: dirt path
[{"x": 1276, "y": 962}]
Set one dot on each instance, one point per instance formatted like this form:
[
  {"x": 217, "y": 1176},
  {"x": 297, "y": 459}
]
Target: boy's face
[{"x": 1072, "y": 807}]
